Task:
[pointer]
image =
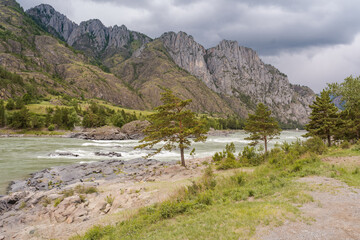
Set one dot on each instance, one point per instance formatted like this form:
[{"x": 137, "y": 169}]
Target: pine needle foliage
[
  {"x": 323, "y": 118},
  {"x": 172, "y": 126},
  {"x": 261, "y": 126}
]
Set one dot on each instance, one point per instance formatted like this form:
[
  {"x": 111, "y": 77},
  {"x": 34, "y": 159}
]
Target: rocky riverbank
[
  {"x": 62, "y": 201},
  {"x": 132, "y": 130}
]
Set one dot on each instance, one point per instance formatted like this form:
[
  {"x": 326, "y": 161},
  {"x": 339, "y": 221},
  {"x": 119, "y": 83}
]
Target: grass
[
  {"x": 338, "y": 152},
  {"x": 231, "y": 204},
  {"x": 40, "y": 108}
]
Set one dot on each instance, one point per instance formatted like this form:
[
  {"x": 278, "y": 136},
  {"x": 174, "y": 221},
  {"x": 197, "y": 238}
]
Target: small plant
[
  {"x": 58, "y": 201},
  {"x": 22, "y": 205},
  {"x": 68, "y": 192},
  {"x": 46, "y": 201},
  {"x": 208, "y": 179},
  {"x": 85, "y": 190},
  {"x": 82, "y": 198},
  {"x": 110, "y": 199}
]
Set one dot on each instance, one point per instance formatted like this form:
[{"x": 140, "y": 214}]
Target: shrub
[
  {"x": 345, "y": 145},
  {"x": 315, "y": 145},
  {"x": 249, "y": 157},
  {"x": 51, "y": 127},
  {"x": 228, "y": 162},
  {"x": 218, "y": 156},
  {"x": 10, "y": 104},
  {"x": 208, "y": 179}
]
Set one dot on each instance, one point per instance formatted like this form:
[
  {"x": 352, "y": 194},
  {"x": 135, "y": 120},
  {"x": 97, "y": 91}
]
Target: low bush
[
  {"x": 249, "y": 157},
  {"x": 315, "y": 145},
  {"x": 345, "y": 145}
]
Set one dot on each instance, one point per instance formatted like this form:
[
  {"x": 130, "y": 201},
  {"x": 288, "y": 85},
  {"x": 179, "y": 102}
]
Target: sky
[{"x": 314, "y": 42}]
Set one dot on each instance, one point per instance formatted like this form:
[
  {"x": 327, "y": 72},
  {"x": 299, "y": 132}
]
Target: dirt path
[{"x": 335, "y": 213}]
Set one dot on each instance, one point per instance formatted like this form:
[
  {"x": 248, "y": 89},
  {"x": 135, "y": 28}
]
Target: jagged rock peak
[
  {"x": 239, "y": 72},
  {"x": 55, "y": 22},
  {"x": 91, "y": 36},
  {"x": 92, "y": 23}
]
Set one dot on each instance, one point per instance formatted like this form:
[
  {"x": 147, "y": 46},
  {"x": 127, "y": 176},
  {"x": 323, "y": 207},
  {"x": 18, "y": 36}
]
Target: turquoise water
[{"x": 21, "y": 156}]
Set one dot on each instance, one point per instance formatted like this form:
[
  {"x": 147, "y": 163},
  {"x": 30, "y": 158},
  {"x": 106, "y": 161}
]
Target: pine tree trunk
[
  {"x": 265, "y": 143},
  {"x": 329, "y": 140},
  {"x": 182, "y": 157}
]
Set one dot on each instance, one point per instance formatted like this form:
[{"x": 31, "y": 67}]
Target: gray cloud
[{"x": 286, "y": 28}]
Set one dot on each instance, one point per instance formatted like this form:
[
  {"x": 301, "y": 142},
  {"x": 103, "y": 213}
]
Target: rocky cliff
[{"x": 238, "y": 71}]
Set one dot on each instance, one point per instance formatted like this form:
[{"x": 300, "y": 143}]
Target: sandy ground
[{"x": 335, "y": 211}]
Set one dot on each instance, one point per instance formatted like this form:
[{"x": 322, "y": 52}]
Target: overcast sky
[{"x": 314, "y": 42}]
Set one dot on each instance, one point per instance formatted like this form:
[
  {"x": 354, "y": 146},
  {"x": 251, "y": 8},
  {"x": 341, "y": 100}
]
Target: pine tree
[
  {"x": 323, "y": 118},
  {"x": 261, "y": 126},
  {"x": 173, "y": 124},
  {"x": 349, "y": 91}
]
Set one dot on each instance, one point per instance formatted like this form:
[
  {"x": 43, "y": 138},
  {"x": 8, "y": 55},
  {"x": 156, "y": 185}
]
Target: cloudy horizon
[{"x": 314, "y": 42}]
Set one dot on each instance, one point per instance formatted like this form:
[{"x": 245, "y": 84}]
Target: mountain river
[{"x": 20, "y": 156}]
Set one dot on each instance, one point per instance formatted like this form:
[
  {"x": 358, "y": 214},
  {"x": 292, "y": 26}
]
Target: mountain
[
  {"x": 238, "y": 71},
  {"x": 108, "y": 44},
  {"x": 46, "y": 66},
  {"x": 226, "y": 79}
]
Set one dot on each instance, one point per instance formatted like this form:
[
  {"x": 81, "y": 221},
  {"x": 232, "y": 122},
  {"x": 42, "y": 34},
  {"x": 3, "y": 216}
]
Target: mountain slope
[
  {"x": 152, "y": 69},
  {"x": 46, "y": 66}
]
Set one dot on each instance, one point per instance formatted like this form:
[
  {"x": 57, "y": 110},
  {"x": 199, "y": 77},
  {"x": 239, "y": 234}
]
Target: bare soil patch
[
  {"x": 342, "y": 160},
  {"x": 334, "y": 214}
]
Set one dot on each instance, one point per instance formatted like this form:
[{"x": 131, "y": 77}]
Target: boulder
[{"x": 134, "y": 129}]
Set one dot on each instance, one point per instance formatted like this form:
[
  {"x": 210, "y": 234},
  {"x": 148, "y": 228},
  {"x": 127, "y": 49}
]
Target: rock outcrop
[
  {"x": 238, "y": 71},
  {"x": 131, "y": 130},
  {"x": 53, "y": 21}
]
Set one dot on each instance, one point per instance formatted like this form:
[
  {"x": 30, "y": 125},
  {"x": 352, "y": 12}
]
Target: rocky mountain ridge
[
  {"x": 91, "y": 36},
  {"x": 225, "y": 79},
  {"x": 238, "y": 71}
]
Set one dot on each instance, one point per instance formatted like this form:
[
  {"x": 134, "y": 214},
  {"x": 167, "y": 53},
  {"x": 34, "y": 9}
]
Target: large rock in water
[
  {"x": 103, "y": 133},
  {"x": 131, "y": 130},
  {"x": 134, "y": 129}
]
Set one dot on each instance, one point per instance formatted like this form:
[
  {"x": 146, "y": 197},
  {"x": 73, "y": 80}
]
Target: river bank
[{"x": 62, "y": 201}]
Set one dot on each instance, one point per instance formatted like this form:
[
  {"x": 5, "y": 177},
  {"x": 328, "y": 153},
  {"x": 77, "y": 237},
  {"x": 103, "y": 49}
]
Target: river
[{"x": 20, "y": 156}]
